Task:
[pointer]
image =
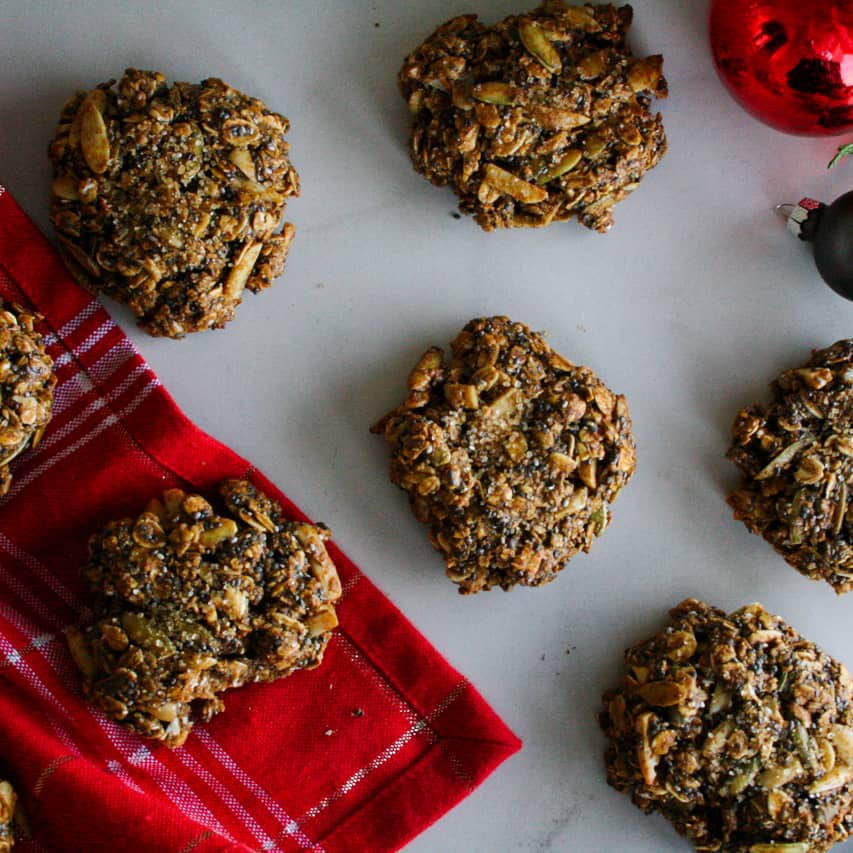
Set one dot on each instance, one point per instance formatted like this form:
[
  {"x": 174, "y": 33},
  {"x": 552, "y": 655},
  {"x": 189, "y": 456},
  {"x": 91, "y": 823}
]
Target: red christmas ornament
[{"x": 788, "y": 62}]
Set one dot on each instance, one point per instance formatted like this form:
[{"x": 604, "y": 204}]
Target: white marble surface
[{"x": 689, "y": 306}]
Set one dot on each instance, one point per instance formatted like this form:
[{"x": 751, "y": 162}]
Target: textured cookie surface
[
  {"x": 190, "y": 603},
  {"x": 539, "y": 118},
  {"x": 510, "y": 453},
  {"x": 171, "y": 198},
  {"x": 8, "y": 800},
  {"x": 738, "y": 730},
  {"x": 27, "y": 381},
  {"x": 796, "y": 458}
]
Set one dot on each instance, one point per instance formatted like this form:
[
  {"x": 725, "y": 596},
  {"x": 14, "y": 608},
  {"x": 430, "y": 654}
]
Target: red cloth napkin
[{"x": 360, "y": 754}]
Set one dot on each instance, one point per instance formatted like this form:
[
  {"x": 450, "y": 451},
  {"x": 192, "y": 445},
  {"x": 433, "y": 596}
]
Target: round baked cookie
[
  {"x": 190, "y": 603},
  {"x": 796, "y": 458},
  {"x": 171, "y": 198},
  {"x": 540, "y": 118},
  {"x": 737, "y": 730},
  {"x": 27, "y": 381},
  {"x": 8, "y": 800},
  {"x": 509, "y": 453}
]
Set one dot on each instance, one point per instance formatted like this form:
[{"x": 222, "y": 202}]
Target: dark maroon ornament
[
  {"x": 830, "y": 230},
  {"x": 789, "y": 62}
]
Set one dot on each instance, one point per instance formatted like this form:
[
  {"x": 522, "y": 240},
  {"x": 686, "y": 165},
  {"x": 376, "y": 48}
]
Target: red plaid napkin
[{"x": 360, "y": 754}]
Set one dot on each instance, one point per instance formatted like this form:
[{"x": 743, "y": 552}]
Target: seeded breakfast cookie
[
  {"x": 171, "y": 198},
  {"x": 796, "y": 458},
  {"x": 27, "y": 381},
  {"x": 191, "y": 603},
  {"x": 542, "y": 117},
  {"x": 737, "y": 730},
  {"x": 510, "y": 453},
  {"x": 7, "y": 814}
]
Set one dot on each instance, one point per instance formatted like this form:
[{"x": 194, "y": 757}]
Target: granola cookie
[
  {"x": 190, "y": 603},
  {"x": 27, "y": 381},
  {"x": 796, "y": 457},
  {"x": 510, "y": 453},
  {"x": 8, "y": 800},
  {"x": 171, "y": 198},
  {"x": 737, "y": 730},
  {"x": 540, "y": 118}
]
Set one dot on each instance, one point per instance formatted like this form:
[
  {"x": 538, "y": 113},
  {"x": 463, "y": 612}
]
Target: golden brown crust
[
  {"x": 796, "y": 458},
  {"x": 8, "y": 800},
  {"x": 737, "y": 730},
  {"x": 27, "y": 381},
  {"x": 510, "y": 454},
  {"x": 191, "y": 603},
  {"x": 171, "y": 199},
  {"x": 540, "y": 118}
]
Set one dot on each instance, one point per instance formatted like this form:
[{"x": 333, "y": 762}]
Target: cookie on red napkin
[{"x": 362, "y": 753}]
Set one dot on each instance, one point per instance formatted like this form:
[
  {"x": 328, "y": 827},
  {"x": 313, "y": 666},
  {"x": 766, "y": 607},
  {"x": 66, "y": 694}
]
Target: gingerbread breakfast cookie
[
  {"x": 737, "y": 730},
  {"x": 8, "y": 800},
  {"x": 191, "y": 603},
  {"x": 510, "y": 454},
  {"x": 796, "y": 458},
  {"x": 540, "y": 118},
  {"x": 27, "y": 382},
  {"x": 171, "y": 198}
]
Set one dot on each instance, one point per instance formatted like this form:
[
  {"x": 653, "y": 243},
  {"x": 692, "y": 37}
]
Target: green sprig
[{"x": 843, "y": 152}]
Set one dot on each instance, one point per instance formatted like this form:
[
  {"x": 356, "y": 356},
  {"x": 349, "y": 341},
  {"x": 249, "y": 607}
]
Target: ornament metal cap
[{"x": 796, "y": 215}]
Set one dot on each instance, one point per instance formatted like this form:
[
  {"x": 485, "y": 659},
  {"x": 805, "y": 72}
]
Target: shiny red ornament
[{"x": 788, "y": 62}]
